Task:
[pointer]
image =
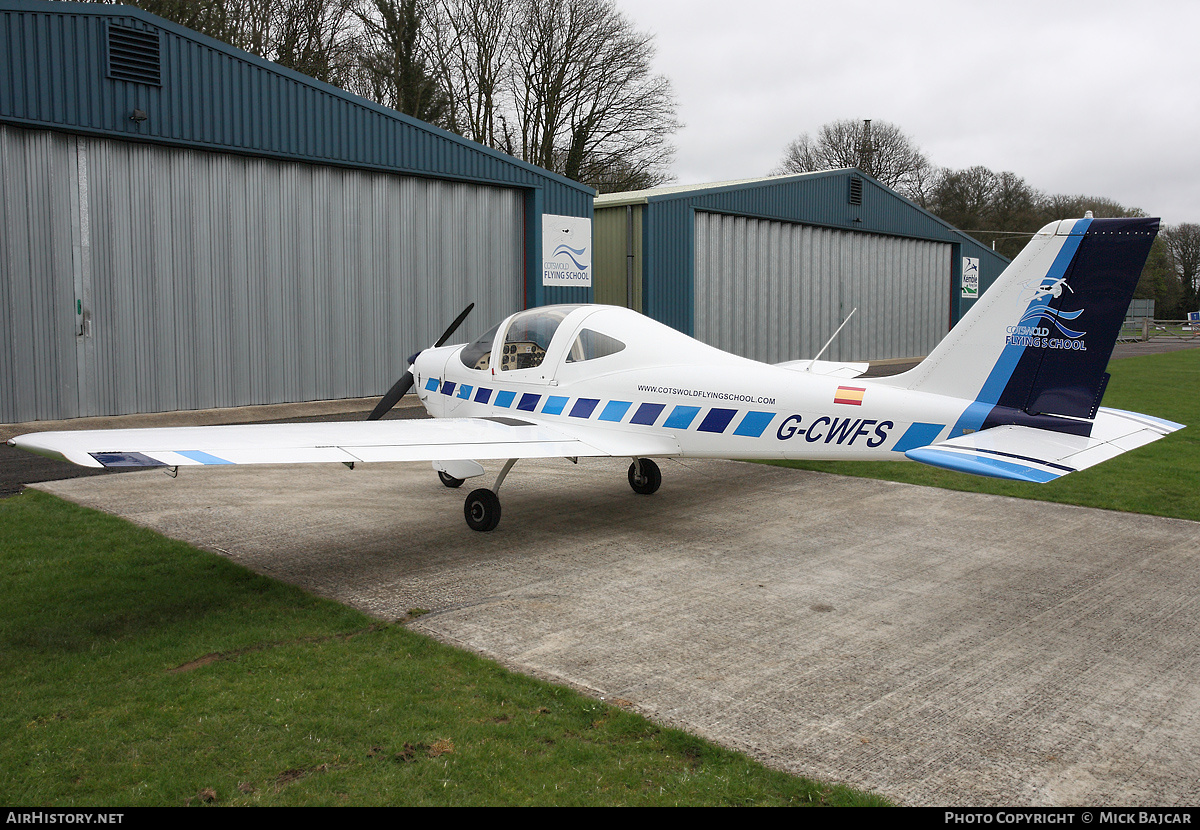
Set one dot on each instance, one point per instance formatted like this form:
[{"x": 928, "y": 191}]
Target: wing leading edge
[
  {"x": 1027, "y": 454},
  {"x": 446, "y": 439}
]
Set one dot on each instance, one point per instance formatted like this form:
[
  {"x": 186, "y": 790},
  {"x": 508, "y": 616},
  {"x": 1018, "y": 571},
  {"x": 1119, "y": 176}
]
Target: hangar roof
[{"x": 641, "y": 197}]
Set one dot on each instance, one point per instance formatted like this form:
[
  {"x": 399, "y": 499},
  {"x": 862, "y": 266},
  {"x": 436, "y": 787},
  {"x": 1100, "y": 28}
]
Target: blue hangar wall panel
[
  {"x": 152, "y": 278},
  {"x": 776, "y": 291}
]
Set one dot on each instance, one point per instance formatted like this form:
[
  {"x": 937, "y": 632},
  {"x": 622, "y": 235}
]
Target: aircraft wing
[
  {"x": 444, "y": 439},
  {"x": 1028, "y": 454}
]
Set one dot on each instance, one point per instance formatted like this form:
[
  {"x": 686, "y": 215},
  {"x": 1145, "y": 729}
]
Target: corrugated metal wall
[
  {"x": 211, "y": 280},
  {"x": 199, "y": 93},
  {"x": 776, "y": 291},
  {"x": 616, "y": 234},
  {"x": 38, "y": 370},
  {"x": 822, "y": 199}
]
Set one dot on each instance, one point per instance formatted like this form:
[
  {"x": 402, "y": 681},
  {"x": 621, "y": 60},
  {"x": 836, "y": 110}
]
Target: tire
[
  {"x": 449, "y": 480},
  {"x": 650, "y": 479},
  {"x": 482, "y": 510}
]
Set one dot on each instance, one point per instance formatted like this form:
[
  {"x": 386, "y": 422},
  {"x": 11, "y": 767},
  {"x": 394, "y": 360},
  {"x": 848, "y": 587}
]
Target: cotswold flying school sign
[{"x": 566, "y": 250}]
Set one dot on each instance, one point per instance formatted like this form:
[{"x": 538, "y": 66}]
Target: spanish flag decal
[{"x": 852, "y": 395}]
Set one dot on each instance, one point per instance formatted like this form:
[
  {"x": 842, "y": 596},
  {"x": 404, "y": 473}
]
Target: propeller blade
[
  {"x": 401, "y": 387},
  {"x": 392, "y": 397},
  {"x": 454, "y": 326}
]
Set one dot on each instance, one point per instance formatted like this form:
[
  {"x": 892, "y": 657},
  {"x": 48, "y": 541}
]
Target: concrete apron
[{"x": 937, "y": 647}]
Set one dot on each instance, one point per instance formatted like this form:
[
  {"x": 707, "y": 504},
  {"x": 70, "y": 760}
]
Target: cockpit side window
[
  {"x": 590, "y": 345},
  {"x": 529, "y": 336},
  {"x": 478, "y": 355}
]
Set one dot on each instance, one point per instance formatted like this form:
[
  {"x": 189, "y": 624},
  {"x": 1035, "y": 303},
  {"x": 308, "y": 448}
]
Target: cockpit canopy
[{"x": 526, "y": 339}]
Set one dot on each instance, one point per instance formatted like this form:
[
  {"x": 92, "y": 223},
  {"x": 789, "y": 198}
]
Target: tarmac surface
[{"x": 940, "y": 648}]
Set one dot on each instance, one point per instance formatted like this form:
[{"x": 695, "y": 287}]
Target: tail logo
[
  {"x": 1029, "y": 330},
  {"x": 1056, "y": 317}
]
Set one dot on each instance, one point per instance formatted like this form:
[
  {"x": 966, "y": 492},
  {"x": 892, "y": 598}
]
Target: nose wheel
[
  {"x": 482, "y": 507},
  {"x": 644, "y": 476}
]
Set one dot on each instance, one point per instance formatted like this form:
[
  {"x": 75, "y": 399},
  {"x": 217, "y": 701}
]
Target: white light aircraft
[{"x": 1013, "y": 391}]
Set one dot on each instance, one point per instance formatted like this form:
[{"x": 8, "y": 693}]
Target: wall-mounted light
[{"x": 138, "y": 116}]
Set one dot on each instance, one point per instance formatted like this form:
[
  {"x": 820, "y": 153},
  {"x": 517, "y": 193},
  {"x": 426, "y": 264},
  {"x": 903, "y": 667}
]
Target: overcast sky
[{"x": 1098, "y": 98}]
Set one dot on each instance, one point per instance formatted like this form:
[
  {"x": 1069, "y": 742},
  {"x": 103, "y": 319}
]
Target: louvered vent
[
  {"x": 134, "y": 55},
  {"x": 856, "y": 190}
]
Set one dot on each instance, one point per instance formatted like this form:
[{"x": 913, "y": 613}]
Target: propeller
[{"x": 400, "y": 387}]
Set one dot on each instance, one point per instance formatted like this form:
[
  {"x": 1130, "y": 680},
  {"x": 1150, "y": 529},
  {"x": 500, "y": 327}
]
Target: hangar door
[
  {"x": 180, "y": 279},
  {"x": 776, "y": 291}
]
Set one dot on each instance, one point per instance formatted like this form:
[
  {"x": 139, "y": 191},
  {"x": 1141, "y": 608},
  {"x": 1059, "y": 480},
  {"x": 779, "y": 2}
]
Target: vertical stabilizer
[{"x": 1033, "y": 348}]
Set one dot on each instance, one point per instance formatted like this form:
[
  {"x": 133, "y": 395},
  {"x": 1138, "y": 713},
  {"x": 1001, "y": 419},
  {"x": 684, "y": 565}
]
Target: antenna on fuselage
[{"x": 813, "y": 362}]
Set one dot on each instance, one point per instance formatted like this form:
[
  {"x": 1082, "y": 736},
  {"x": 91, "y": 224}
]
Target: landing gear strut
[{"x": 482, "y": 507}]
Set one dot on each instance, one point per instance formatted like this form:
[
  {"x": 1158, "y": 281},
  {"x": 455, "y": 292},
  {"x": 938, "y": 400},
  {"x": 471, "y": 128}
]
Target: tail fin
[{"x": 1033, "y": 348}]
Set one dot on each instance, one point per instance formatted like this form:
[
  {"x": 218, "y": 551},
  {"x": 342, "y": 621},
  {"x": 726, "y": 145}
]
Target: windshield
[
  {"x": 478, "y": 355},
  {"x": 528, "y": 336}
]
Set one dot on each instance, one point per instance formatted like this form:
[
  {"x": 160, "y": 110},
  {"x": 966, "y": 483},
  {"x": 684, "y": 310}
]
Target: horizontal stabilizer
[{"x": 1028, "y": 454}]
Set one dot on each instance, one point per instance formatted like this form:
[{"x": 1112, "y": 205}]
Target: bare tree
[
  {"x": 393, "y": 63},
  {"x": 1183, "y": 245},
  {"x": 964, "y": 198},
  {"x": 880, "y": 149},
  {"x": 1062, "y": 206},
  {"x": 317, "y": 38},
  {"x": 470, "y": 44},
  {"x": 585, "y": 102}
]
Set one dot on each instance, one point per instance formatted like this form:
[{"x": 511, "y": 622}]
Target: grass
[
  {"x": 1161, "y": 479},
  {"x": 136, "y": 670}
]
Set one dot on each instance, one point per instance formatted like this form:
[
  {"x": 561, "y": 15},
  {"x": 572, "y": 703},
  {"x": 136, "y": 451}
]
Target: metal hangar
[
  {"x": 189, "y": 226},
  {"x": 769, "y": 268}
]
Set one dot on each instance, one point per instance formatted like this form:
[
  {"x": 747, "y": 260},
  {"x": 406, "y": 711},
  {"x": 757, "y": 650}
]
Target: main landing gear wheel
[
  {"x": 482, "y": 509},
  {"x": 449, "y": 480},
  {"x": 648, "y": 480}
]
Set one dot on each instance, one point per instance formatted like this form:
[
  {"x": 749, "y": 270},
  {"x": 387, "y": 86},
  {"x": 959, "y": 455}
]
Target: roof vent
[
  {"x": 134, "y": 55},
  {"x": 856, "y": 185}
]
